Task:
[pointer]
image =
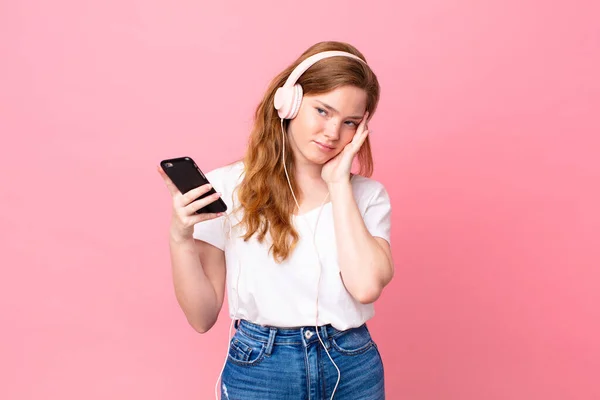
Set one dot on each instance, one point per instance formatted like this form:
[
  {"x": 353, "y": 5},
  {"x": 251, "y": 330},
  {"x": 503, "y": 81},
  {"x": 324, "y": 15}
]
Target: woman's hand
[
  {"x": 337, "y": 169},
  {"x": 184, "y": 215}
]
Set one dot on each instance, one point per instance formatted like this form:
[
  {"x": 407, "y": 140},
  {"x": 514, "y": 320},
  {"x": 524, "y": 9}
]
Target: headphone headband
[
  {"x": 310, "y": 61},
  {"x": 289, "y": 96}
]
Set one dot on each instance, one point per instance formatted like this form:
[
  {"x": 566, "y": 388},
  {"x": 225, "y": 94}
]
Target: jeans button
[{"x": 308, "y": 334}]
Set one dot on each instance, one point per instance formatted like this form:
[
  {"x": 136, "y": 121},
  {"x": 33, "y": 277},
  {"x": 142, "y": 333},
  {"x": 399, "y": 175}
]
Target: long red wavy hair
[{"x": 264, "y": 194}]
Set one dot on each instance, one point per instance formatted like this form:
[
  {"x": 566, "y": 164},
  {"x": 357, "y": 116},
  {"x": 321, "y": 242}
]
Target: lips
[{"x": 324, "y": 146}]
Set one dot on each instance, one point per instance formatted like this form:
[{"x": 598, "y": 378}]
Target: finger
[
  {"x": 352, "y": 148},
  {"x": 359, "y": 139},
  {"x": 193, "y": 194},
  {"x": 201, "y": 203},
  {"x": 363, "y": 122},
  {"x": 206, "y": 217},
  {"x": 172, "y": 188}
]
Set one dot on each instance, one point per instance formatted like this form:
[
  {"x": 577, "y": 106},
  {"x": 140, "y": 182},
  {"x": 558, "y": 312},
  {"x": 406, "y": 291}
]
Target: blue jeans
[{"x": 269, "y": 363}]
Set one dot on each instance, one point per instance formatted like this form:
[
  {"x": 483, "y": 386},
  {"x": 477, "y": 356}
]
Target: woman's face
[{"x": 326, "y": 123}]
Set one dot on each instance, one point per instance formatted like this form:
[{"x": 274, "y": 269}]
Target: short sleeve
[
  {"x": 378, "y": 214},
  {"x": 213, "y": 231}
]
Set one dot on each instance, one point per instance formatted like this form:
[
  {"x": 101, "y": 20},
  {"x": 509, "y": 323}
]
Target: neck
[
  {"x": 308, "y": 178},
  {"x": 308, "y": 172}
]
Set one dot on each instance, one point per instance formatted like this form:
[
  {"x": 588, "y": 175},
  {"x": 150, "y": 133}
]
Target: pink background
[{"x": 487, "y": 138}]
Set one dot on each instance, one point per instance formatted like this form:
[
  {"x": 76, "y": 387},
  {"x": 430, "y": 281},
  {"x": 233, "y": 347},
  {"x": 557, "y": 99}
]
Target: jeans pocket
[
  {"x": 352, "y": 341},
  {"x": 245, "y": 351}
]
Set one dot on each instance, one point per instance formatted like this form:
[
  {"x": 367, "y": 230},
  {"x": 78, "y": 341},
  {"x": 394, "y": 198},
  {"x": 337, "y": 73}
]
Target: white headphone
[{"x": 289, "y": 97}]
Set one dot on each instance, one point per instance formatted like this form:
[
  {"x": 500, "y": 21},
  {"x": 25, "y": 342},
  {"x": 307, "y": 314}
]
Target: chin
[
  {"x": 315, "y": 160},
  {"x": 318, "y": 159}
]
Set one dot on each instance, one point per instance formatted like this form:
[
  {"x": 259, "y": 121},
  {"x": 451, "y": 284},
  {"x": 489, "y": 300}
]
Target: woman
[{"x": 305, "y": 244}]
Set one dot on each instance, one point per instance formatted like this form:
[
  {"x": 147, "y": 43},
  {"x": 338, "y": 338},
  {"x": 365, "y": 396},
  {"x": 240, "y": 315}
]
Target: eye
[
  {"x": 351, "y": 123},
  {"x": 321, "y": 111}
]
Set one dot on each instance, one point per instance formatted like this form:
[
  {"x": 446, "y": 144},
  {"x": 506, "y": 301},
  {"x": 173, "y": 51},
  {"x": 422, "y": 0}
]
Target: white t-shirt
[{"x": 285, "y": 295}]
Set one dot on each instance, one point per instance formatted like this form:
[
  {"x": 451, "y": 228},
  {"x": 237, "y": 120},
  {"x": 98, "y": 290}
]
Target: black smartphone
[{"x": 186, "y": 175}]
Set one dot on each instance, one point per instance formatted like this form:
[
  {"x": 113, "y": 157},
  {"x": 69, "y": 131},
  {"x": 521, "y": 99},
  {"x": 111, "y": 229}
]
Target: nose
[{"x": 332, "y": 130}]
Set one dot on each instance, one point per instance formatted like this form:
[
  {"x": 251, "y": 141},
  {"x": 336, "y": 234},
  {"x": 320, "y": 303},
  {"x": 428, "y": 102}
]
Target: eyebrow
[{"x": 327, "y": 106}]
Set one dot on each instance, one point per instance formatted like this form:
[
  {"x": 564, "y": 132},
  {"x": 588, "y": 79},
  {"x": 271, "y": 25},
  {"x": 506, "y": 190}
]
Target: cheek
[
  {"x": 312, "y": 123},
  {"x": 347, "y": 136}
]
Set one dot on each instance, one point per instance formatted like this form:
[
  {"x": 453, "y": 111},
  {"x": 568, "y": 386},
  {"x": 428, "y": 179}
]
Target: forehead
[{"x": 345, "y": 99}]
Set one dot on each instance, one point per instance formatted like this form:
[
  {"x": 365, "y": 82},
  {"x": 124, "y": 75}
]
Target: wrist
[
  {"x": 178, "y": 237},
  {"x": 340, "y": 188}
]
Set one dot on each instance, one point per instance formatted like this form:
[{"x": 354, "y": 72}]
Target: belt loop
[
  {"x": 324, "y": 336},
  {"x": 271, "y": 340},
  {"x": 236, "y": 324}
]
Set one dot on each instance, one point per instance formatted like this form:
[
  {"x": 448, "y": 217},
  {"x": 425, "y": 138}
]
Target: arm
[
  {"x": 366, "y": 263},
  {"x": 198, "y": 270}
]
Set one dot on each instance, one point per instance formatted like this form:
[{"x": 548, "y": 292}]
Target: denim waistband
[{"x": 300, "y": 335}]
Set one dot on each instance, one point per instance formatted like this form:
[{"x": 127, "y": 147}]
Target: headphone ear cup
[
  {"x": 283, "y": 101},
  {"x": 296, "y": 101},
  {"x": 287, "y": 101}
]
